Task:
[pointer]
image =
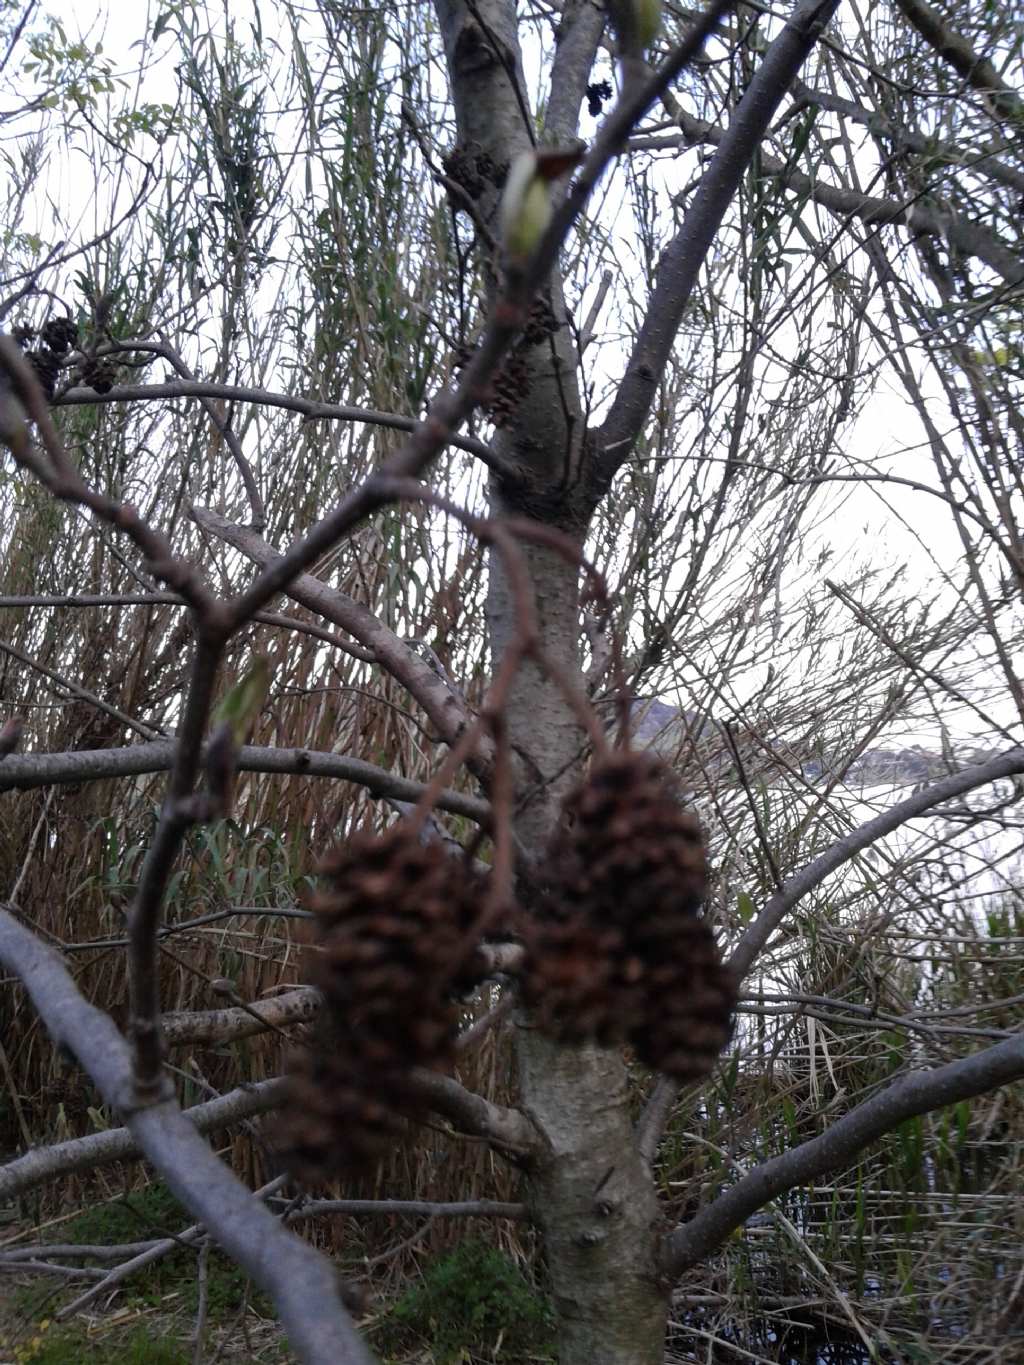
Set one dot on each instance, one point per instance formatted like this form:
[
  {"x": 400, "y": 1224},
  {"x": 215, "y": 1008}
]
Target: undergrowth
[
  {"x": 473, "y": 1305},
  {"x": 70, "y": 1346}
]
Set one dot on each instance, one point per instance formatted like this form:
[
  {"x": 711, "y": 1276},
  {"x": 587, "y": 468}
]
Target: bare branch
[
  {"x": 147, "y": 1255},
  {"x": 507, "y": 1130},
  {"x": 130, "y": 723},
  {"x": 41, "y": 1164},
  {"x": 23, "y": 771},
  {"x": 953, "y": 48},
  {"x": 917, "y": 1093},
  {"x": 208, "y": 1027},
  {"x": 778, "y": 906},
  {"x": 389, "y": 1208},
  {"x": 973, "y": 239},
  {"x": 259, "y": 514},
  {"x": 308, "y": 407},
  {"x": 438, "y": 701},
  {"x": 578, "y": 39},
  {"x": 681, "y": 261},
  {"x": 302, "y": 1284}
]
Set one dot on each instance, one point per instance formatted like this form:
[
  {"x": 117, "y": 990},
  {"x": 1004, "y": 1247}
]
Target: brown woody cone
[
  {"x": 618, "y": 951},
  {"x": 47, "y": 370},
  {"x": 99, "y": 373},
  {"x": 396, "y": 937},
  {"x": 690, "y": 996},
  {"x": 60, "y": 334}
]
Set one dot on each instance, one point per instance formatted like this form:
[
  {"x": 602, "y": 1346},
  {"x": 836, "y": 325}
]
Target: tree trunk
[
  {"x": 590, "y": 1195},
  {"x": 594, "y": 1202}
]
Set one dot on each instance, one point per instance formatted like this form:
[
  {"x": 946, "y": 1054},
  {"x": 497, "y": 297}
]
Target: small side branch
[
  {"x": 796, "y": 887},
  {"x": 446, "y": 712},
  {"x": 22, "y": 771},
  {"x": 236, "y": 393},
  {"x": 507, "y": 1130},
  {"x": 41, "y": 1164}
]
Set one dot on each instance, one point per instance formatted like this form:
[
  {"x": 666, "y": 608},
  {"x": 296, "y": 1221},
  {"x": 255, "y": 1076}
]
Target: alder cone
[
  {"x": 618, "y": 952},
  {"x": 99, "y": 373},
  {"x": 339, "y": 1117},
  {"x": 690, "y": 996},
  {"x": 396, "y": 940},
  {"x": 60, "y": 334},
  {"x": 46, "y": 367}
]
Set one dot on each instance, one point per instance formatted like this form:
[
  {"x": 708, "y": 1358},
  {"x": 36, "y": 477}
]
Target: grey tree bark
[{"x": 589, "y": 1192}]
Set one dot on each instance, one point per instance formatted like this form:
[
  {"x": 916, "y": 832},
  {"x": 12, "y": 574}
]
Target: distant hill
[{"x": 661, "y": 726}]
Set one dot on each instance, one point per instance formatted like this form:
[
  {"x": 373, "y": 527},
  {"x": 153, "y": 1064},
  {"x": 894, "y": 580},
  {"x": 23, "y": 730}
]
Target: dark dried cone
[
  {"x": 619, "y": 951},
  {"x": 474, "y": 169},
  {"x": 397, "y": 933},
  {"x": 541, "y": 322},
  {"x": 99, "y": 373},
  {"x": 395, "y": 905},
  {"x": 626, "y": 846},
  {"x": 573, "y": 982},
  {"x": 509, "y": 386},
  {"x": 47, "y": 368},
  {"x": 60, "y": 334},
  {"x": 690, "y": 997},
  {"x": 337, "y": 1117},
  {"x": 460, "y": 165}
]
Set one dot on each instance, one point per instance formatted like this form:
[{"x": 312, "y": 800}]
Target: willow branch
[
  {"x": 914, "y": 213},
  {"x": 681, "y": 262},
  {"x": 953, "y": 48}
]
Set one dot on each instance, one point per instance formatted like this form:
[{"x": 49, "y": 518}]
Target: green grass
[
  {"x": 169, "y": 1285},
  {"x": 473, "y": 1305},
  {"x": 68, "y": 1346}
]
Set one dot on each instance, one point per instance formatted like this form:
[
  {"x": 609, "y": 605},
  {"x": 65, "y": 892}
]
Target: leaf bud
[{"x": 525, "y": 206}]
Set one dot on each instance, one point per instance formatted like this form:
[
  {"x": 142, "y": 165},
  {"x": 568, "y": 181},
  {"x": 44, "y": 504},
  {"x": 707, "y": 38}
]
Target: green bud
[
  {"x": 241, "y": 705},
  {"x": 636, "y": 23},
  {"x": 525, "y": 206}
]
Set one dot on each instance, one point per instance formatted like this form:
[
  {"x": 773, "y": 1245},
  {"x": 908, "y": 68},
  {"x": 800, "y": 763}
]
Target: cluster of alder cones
[
  {"x": 51, "y": 353},
  {"x": 510, "y": 383},
  {"x": 616, "y": 952}
]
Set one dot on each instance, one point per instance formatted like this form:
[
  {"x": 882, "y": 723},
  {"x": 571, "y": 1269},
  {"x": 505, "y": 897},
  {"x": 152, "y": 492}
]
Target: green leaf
[{"x": 242, "y": 704}]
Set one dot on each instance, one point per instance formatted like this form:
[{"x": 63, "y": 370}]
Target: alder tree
[{"x": 512, "y": 530}]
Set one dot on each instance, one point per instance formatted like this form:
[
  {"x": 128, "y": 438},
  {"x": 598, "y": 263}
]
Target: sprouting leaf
[{"x": 241, "y": 705}]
